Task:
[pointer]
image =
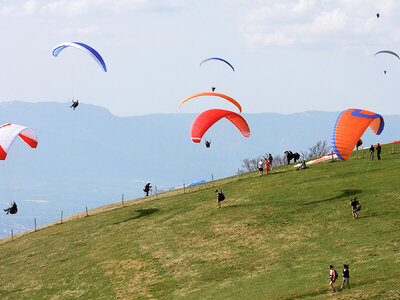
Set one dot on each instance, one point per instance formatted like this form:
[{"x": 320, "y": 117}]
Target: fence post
[
  {"x": 122, "y": 200},
  {"x": 184, "y": 188},
  {"x": 212, "y": 179},
  {"x": 34, "y": 219},
  {"x": 61, "y": 217},
  {"x": 155, "y": 187},
  {"x": 12, "y": 234},
  {"x": 87, "y": 212}
]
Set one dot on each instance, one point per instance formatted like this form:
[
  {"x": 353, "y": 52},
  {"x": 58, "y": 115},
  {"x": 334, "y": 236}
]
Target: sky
[{"x": 289, "y": 55}]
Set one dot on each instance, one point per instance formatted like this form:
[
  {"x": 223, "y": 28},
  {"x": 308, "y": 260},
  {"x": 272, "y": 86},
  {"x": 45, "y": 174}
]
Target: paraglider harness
[
  {"x": 356, "y": 205},
  {"x": 74, "y": 104},
  {"x": 12, "y": 210},
  {"x": 147, "y": 188},
  {"x": 208, "y": 143},
  {"x": 221, "y": 196}
]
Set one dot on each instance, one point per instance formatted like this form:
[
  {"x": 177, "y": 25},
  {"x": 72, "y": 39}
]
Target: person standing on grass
[
  {"x": 260, "y": 167},
  {"x": 220, "y": 197},
  {"x": 267, "y": 166},
  {"x": 346, "y": 277},
  {"x": 270, "y": 158},
  {"x": 378, "y": 151},
  {"x": 332, "y": 277},
  {"x": 371, "y": 152},
  {"x": 355, "y": 207}
]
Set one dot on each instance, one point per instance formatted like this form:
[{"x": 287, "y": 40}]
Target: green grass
[{"x": 274, "y": 238}]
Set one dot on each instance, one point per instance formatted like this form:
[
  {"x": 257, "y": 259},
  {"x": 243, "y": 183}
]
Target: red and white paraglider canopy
[{"x": 9, "y": 132}]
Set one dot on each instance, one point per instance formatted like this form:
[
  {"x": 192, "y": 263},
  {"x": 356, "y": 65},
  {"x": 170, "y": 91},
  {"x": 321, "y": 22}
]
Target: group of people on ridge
[
  {"x": 378, "y": 152},
  {"x": 267, "y": 162}
]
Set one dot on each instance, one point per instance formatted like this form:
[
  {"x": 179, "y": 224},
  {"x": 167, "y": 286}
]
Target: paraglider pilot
[
  {"x": 213, "y": 88},
  {"x": 208, "y": 143},
  {"x": 74, "y": 104},
  {"x": 147, "y": 188},
  {"x": 12, "y": 210}
]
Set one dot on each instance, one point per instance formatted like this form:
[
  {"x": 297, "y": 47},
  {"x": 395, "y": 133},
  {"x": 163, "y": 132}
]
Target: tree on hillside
[{"x": 319, "y": 149}]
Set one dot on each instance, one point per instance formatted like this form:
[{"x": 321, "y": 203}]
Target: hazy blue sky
[{"x": 290, "y": 56}]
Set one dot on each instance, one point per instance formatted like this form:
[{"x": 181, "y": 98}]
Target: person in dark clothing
[
  {"x": 355, "y": 206},
  {"x": 371, "y": 152},
  {"x": 74, "y": 104},
  {"x": 346, "y": 277},
  {"x": 378, "y": 151},
  {"x": 377, "y": 15},
  {"x": 213, "y": 88},
  {"x": 147, "y": 188},
  {"x": 384, "y": 72},
  {"x": 220, "y": 197},
  {"x": 359, "y": 143},
  {"x": 208, "y": 143},
  {"x": 12, "y": 210}
]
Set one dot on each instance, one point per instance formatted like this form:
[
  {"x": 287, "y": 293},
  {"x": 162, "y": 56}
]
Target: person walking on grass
[
  {"x": 260, "y": 167},
  {"x": 332, "y": 277},
  {"x": 346, "y": 277},
  {"x": 355, "y": 207},
  {"x": 220, "y": 197},
  {"x": 371, "y": 152},
  {"x": 378, "y": 151}
]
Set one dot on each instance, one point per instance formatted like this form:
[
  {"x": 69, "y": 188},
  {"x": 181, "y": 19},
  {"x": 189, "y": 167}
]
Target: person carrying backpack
[
  {"x": 220, "y": 197},
  {"x": 333, "y": 275},
  {"x": 355, "y": 206}
]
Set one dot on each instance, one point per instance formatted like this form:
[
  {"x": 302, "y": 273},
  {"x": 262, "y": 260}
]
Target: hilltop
[
  {"x": 274, "y": 238},
  {"x": 89, "y": 157}
]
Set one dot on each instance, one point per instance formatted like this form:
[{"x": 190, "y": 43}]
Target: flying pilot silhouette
[
  {"x": 213, "y": 88},
  {"x": 377, "y": 15},
  {"x": 74, "y": 104},
  {"x": 208, "y": 143},
  {"x": 12, "y": 210}
]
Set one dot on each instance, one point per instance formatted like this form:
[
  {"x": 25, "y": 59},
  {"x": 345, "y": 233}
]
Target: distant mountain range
[{"x": 89, "y": 157}]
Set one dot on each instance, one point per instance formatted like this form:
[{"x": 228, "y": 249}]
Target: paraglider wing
[
  {"x": 220, "y": 59},
  {"x": 9, "y": 132},
  {"x": 213, "y": 94},
  {"x": 85, "y": 48},
  {"x": 209, "y": 117},
  {"x": 350, "y": 126},
  {"x": 387, "y": 52}
]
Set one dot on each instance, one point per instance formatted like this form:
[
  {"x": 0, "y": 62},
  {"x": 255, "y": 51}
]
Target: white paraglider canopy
[{"x": 9, "y": 132}]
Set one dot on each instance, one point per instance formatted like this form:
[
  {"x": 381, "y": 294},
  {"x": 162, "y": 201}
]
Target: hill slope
[{"x": 274, "y": 238}]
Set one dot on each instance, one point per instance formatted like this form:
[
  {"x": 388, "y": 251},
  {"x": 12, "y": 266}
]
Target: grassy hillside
[{"x": 274, "y": 238}]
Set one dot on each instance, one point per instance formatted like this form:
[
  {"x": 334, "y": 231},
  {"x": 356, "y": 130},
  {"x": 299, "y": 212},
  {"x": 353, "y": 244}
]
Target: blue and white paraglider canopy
[{"x": 85, "y": 48}]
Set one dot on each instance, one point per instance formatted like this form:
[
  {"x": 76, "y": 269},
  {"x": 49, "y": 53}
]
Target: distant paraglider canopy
[
  {"x": 350, "y": 126},
  {"x": 209, "y": 117},
  {"x": 387, "y": 52},
  {"x": 218, "y": 59},
  {"x": 213, "y": 94},
  {"x": 83, "y": 47},
  {"x": 9, "y": 132}
]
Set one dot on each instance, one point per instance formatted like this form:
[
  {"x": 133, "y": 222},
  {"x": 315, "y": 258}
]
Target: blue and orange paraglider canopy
[
  {"x": 350, "y": 126},
  {"x": 218, "y": 59}
]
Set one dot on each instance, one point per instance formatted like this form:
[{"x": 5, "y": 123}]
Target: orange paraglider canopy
[
  {"x": 350, "y": 126},
  {"x": 213, "y": 94},
  {"x": 209, "y": 117}
]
